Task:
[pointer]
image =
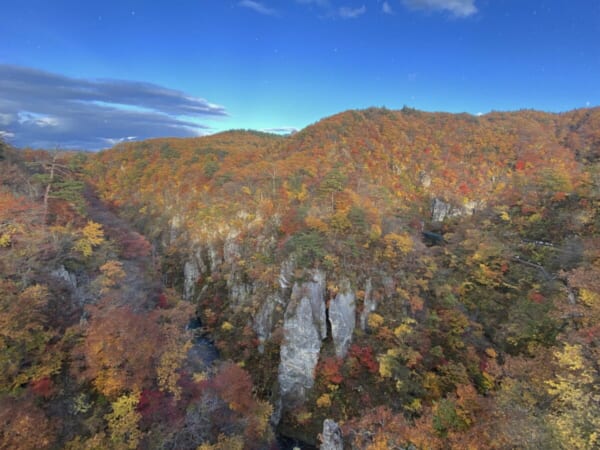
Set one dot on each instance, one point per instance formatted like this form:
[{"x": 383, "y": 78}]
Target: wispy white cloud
[
  {"x": 112, "y": 141},
  {"x": 38, "y": 120},
  {"x": 347, "y": 12},
  {"x": 386, "y": 8},
  {"x": 459, "y": 8},
  {"x": 5, "y": 119},
  {"x": 258, "y": 7},
  {"x": 330, "y": 9}
]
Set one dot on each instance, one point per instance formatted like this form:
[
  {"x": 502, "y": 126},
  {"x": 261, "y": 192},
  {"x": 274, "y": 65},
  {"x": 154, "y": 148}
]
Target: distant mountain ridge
[{"x": 393, "y": 146}]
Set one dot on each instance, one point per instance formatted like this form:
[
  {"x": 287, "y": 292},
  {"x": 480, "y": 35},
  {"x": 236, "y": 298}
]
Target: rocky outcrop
[
  {"x": 304, "y": 329},
  {"x": 342, "y": 316},
  {"x": 271, "y": 310},
  {"x": 389, "y": 285},
  {"x": 286, "y": 273},
  {"x": 239, "y": 290},
  {"x": 197, "y": 265},
  {"x": 470, "y": 207},
  {"x": 231, "y": 248},
  {"x": 191, "y": 273},
  {"x": 369, "y": 305},
  {"x": 440, "y": 210},
  {"x": 175, "y": 227},
  {"x": 265, "y": 319},
  {"x": 425, "y": 179},
  {"x": 63, "y": 274},
  {"x": 331, "y": 438},
  {"x": 79, "y": 286},
  {"x": 214, "y": 256}
]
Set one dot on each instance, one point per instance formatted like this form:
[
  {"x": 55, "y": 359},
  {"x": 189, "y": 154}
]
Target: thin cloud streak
[
  {"x": 43, "y": 109},
  {"x": 258, "y": 7},
  {"x": 459, "y": 8},
  {"x": 346, "y": 12}
]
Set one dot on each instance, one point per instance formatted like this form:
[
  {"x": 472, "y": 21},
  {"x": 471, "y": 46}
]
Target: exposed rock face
[
  {"x": 369, "y": 305},
  {"x": 440, "y": 210},
  {"x": 80, "y": 290},
  {"x": 191, "y": 272},
  {"x": 470, "y": 207},
  {"x": 342, "y": 315},
  {"x": 214, "y": 257},
  {"x": 66, "y": 276},
  {"x": 239, "y": 290},
  {"x": 175, "y": 227},
  {"x": 265, "y": 319},
  {"x": 389, "y": 285},
  {"x": 304, "y": 328},
  {"x": 331, "y": 438},
  {"x": 425, "y": 179},
  {"x": 286, "y": 273},
  {"x": 231, "y": 248}
]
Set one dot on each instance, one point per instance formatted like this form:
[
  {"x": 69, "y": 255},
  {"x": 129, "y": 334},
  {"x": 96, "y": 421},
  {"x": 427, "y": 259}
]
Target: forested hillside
[
  {"x": 95, "y": 352},
  {"x": 425, "y": 280}
]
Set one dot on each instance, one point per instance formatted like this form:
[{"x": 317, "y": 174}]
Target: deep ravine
[{"x": 143, "y": 286}]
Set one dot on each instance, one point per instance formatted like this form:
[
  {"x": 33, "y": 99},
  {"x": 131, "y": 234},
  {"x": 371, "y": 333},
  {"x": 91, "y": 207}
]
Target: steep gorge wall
[
  {"x": 301, "y": 308},
  {"x": 304, "y": 330}
]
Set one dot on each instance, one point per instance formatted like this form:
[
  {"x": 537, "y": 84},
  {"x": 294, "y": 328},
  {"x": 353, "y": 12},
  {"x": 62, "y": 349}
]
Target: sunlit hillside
[{"x": 460, "y": 253}]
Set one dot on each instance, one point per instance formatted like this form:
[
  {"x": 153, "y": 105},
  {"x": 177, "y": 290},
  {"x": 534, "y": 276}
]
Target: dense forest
[{"x": 415, "y": 280}]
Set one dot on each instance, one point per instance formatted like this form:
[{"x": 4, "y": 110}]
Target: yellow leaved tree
[
  {"x": 123, "y": 421},
  {"x": 576, "y": 414},
  {"x": 90, "y": 236}
]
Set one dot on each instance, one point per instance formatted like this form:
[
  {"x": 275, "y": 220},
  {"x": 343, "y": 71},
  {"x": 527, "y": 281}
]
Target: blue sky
[{"x": 83, "y": 73}]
